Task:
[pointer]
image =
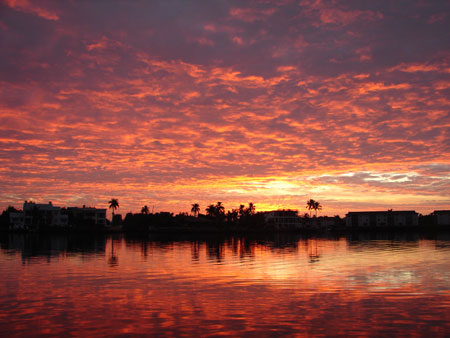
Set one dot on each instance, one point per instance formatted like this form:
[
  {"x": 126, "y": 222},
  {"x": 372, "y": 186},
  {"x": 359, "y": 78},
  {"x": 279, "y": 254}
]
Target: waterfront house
[
  {"x": 38, "y": 215},
  {"x": 382, "y": 219},
  {"x": 87, "y": 216},
  {"x": 441, "y": 217},
  {"x": 16, "y": 220},
  {"x": 283, "y": 219},
  {"x": 322, "y": 223},
  {"x": 290, "y": 220}
]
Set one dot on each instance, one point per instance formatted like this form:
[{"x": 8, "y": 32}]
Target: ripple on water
[{"x": 308, "y": 287}]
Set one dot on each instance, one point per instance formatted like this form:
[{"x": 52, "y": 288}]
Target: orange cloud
[
  {"x": 184, "y": 114},
  {"x": 419, "y": 67}
]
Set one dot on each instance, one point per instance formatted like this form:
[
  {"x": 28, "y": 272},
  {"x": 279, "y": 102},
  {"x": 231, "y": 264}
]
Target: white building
[
  {"x": 37, "y": 215},
  {"x": 283, "y": 219},
  {"x": 378, "y": 219}
]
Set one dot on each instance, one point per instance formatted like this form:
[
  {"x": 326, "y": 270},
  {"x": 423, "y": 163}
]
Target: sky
[{"x": 173, "y": 102}]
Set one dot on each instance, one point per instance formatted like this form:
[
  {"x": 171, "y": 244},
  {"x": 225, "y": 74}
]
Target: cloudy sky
[{"x": 171, "y": 102}]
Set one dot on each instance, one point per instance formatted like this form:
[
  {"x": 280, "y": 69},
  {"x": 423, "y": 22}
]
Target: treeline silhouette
[{"x": 215, "y": 219}]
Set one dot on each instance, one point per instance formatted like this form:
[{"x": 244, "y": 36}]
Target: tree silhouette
[
  {"x": 211, "y": 210},
  {"x": 216, "y": 210},
  {"x": 145, "y": 210},
  {"x": 251, "y": 209},
  {"x": 10, "y": 208},
  {"x": 317, "y": 206},
  {"x": 220, "y": 209},
  {"x": 310, "y": 205},
  {"x": 113, "y": 204},
  {"x": 195, "y": 209},
  {"x": 241, "y": 210}
]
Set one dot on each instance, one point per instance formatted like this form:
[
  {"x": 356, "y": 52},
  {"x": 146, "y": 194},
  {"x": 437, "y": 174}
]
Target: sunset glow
[{"x": 165, "y": 104}]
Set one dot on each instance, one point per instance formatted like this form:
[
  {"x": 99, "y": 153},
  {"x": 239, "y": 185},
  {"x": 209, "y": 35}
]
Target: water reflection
[
  {"x": 313, "y": 251},
  {"x": 360, "y": 285},
  {"x": 51, "y": 246},
  {"x": 113, "y": 260}
]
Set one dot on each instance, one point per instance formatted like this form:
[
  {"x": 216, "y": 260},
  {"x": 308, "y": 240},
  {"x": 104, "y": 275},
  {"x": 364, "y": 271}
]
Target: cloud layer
[{"x": 167, "y": 104}]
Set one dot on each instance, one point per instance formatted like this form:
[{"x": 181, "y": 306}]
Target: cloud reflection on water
[{"x": 229, "y": 286}]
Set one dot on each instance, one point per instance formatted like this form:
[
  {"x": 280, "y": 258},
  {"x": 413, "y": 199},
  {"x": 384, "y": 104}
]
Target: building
[
  {"x": 283, "y": 219},
  {"x": 327, "y": 222},
  {"x": 87, "y": 216},
  {"x": 441, "y": 217},
  {"x": 16, "y": 220},
  {"x": 38, "y": 215},
  {"x": 290, "y": 220},
  {"x": 382, "y": 219},
  {"x": 322, "y": 223}
]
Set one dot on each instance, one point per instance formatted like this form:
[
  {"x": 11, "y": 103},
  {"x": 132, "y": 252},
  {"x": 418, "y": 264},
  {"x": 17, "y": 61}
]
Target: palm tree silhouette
[
  {"x": 211, "y": 210},
  {"x": 220, "y": 209},
  {"x": 195, "y": 209},
  {"x": 145, "y": 210},
  {"x": 216, "y": 210},
  {"x": 241, "y": 210},
  {"x": 317, "y": 206},
  {"x": 310, "y": 205},
  {"x": 113, "y": 204},
  {"x": 251, "y": 209}
]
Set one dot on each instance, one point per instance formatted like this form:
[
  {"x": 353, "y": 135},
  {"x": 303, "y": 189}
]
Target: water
[{"x": 284, "y": 285}]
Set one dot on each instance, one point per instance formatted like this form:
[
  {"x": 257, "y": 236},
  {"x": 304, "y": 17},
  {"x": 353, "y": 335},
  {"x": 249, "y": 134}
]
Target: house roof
[{"x": 382, "y": 212}]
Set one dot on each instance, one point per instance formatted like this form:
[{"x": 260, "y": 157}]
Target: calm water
[{"x": 283, "y": 285}]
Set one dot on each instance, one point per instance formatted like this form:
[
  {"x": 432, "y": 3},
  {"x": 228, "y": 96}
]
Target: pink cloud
[
  {"x": 234, "y": 105},
  {"x": 251, "y": 14},
  {"x": 329, "y": 13},
  {"x": 31, "y": 7},
  {"x": 237, "y": 40}
]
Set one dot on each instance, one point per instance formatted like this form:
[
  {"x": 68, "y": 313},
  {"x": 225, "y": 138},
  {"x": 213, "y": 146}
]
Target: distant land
[{"x": 35, "y": 217}]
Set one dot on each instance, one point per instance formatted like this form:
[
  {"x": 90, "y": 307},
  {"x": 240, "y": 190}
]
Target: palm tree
[
  {"x": 232, "y": 216},
  {"x": 310, "y": 205},
  {"x": 216, "y": 210},
  {"x": 113, "y": 204},
  {"x": 241, "y": 210},
  {"x": 251, "y": 209},
  {"x": 220, "y": 209},
  {"x": 317, "y": 206},
  {"x": 211, "y": 210},
  {"x": 145, "y": 210},
  {"x": 195, "y": 209}
]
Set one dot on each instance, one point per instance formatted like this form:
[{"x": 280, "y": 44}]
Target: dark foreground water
[{"x": 361, "y": 285}]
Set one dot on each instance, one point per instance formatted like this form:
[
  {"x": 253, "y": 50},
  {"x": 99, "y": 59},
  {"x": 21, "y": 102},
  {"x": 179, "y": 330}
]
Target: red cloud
[
  {"x": 251, "y": 14},
  {"x": 30, "y": 7},
  {"x": 233, "y": 105}
]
